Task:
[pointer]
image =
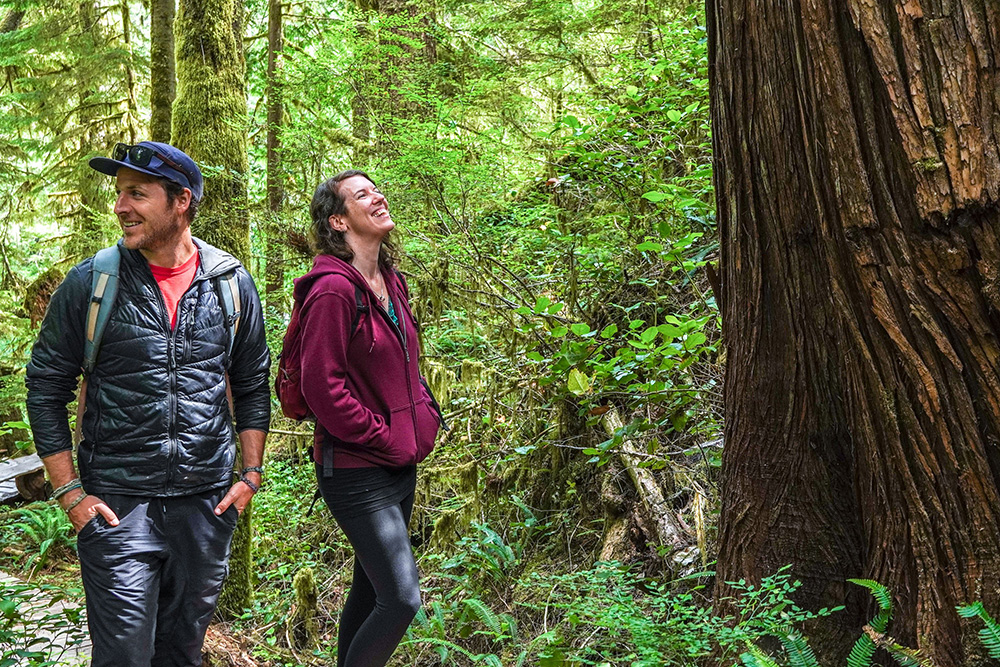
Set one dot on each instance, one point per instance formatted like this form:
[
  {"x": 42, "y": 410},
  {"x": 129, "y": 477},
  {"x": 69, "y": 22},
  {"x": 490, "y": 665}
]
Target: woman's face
[{"x": 367, "y": 217}]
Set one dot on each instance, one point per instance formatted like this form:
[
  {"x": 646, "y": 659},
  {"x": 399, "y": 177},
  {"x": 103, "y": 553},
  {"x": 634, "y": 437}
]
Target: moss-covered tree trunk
[
  {"x": 210, "y": 116},
  {"x": 857, "y": 157},
  {"x": 12, "y": 21},
  {"x": 162, "y": 77},
  {"x": 275, "y": 266},
  {"x": 394, "y": 73},
  {"x": 360, "y": 84},
  {"x": 88, "y": 236},
  {"x": 209, "y": 124}
]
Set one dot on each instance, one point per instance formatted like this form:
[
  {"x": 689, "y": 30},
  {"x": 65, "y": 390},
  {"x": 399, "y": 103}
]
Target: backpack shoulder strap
[
  {"x": 103, "y": 290},
  {"x": 360, "y": 307},
  {"x": 228, "y": 289}
]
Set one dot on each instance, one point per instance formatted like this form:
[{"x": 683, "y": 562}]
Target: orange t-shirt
[{"x": 173, "y": 282}]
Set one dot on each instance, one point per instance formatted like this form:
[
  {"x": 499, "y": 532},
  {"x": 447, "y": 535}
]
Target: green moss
[
  {"x": 930, "y": 164},
  {"x": 237, "y": 593},
  {"x": 210, "y": 117},
  {"x": 302, "y": 626}
]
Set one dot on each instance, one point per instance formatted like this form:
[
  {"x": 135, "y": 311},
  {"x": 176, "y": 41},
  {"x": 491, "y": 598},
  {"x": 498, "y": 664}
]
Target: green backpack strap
[
  {"x": 228, "y": 289},
  {"x": 103, "y": 290}
]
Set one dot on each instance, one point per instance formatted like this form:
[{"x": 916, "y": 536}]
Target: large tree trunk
[
  {"x": 209, "y": 118},
  {"x": 162, "y": 78},
  {"x": 393, "y": 77},
  {"x": 88, "y": 236},
  {"x": 210, "y": 114},
  {"x": 275, "y": 266},
  {"x": 856, "y": 148}
]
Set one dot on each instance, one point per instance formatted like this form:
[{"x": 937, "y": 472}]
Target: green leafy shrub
[{"x": 40, "y": 626}]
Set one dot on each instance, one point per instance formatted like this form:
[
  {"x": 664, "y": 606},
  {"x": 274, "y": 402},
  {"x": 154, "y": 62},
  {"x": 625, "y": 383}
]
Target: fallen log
[{"x": 660, "y": 514}]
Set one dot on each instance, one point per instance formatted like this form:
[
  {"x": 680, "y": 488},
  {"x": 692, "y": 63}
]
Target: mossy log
[{"x": 659, "y": 515}]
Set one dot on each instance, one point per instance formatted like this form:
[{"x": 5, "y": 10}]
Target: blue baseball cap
[{"x": 156, "y": 159}]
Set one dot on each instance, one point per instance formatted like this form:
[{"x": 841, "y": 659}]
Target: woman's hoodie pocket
[
  {"x": 427, "y": 427},
  {"x": 410, "y": 442}
]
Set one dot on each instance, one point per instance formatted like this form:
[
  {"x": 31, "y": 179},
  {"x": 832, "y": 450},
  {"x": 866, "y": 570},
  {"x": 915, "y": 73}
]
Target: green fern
[
  {"x": 45, "y": 528},
  {"x": 989, "y": 635},
  {"x": 756, "y": 657},
  {"x": 862, "y": 652},
  {"x": 484, "y": 614},
  {"x": 799, "y": 652},
  {"x": 883, "y": 596},
  {"x": 907, "y": 657},
  {"x": 511, "y": 623}
]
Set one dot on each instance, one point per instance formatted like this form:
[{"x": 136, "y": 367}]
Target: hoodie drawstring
[{"x": 371, "y": 321}]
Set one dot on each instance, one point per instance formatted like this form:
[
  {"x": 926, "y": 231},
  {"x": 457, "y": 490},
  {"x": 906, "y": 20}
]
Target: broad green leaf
[
  {"x": 578, "y": 383},
  {"x": 654, "y": 196},
  {"x": 649, "y": 246},
  {"x": 670, "y": 331},
  {"x": 694, "y": 340},
  {"x": 580, "y": 329}
]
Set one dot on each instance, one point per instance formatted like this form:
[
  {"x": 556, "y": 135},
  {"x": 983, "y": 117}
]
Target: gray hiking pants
[{"x": 153, "y": 580}]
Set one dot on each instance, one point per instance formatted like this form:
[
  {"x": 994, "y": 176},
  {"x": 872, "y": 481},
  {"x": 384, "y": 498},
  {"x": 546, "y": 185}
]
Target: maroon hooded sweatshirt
[{"x": 363, "y": 386}]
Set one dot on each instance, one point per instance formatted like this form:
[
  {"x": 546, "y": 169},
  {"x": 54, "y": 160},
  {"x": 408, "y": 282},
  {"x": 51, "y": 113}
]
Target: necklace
[{"x": 380, "y": 293}]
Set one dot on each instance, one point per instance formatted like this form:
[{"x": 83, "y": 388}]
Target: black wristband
[{"x": 253, "y": 487}]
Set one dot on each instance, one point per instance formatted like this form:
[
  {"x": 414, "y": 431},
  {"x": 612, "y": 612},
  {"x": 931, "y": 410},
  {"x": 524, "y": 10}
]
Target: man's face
[{"x": 149, "y": 222}]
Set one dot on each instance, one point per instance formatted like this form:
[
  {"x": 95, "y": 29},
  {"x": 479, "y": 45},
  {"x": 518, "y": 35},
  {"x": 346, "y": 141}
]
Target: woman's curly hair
[{"x": 324, "y": 239}]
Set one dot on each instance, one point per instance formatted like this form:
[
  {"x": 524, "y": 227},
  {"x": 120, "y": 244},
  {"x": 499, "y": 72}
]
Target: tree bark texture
[
  {"x": 857, "y": 176},
  {"x": 162, "y": 75},
  {"x": 209, "y": 124},
  {"x": 210, "y": 117},
  {"x": 274, "y": 264},
  {"x": 12, "y": 21},
  {"x": 88, "y": 237}
]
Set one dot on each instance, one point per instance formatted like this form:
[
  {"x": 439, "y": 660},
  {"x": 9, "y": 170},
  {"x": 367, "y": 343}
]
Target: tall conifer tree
[
  {"x": 209, "y": 124},
  {"x": 162, "y": 75},
  {"x": 209, "y": 116}
]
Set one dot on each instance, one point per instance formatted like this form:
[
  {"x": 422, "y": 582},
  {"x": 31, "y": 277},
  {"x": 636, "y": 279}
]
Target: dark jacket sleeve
[
  {"x": 326, "y": 333},
  {"x": 249, "y": 369},
  {"x": 56, "y": 363}
]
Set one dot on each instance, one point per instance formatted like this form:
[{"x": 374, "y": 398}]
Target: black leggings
[{"x": 385, "y": 593}]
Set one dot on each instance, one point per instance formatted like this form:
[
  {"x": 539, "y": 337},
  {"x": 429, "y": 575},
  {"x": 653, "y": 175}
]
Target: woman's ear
[{"x": 337, "y": 223}]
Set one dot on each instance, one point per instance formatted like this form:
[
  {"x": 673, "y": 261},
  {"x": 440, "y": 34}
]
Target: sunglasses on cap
[{"x": 141, "y": 155}]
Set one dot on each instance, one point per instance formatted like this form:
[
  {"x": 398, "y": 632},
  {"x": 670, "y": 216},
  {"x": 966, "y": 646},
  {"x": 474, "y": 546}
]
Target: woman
[{"x": 374, "y": 417}]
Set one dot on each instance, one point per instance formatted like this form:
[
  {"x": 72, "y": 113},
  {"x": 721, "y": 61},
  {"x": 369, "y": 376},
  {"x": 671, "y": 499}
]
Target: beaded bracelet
[
  {"x": 76, "y": 502},
  {"x": 253, "y": 487},
  {"x": 252, "y": 469},
  {"x": 67, "y": 487}
]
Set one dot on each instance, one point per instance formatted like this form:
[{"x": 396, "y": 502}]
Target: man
[{"x": 154, "y": 505}]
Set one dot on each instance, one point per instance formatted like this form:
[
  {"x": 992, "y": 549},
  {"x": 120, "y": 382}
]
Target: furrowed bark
[{"x": 856, "y": 148}]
